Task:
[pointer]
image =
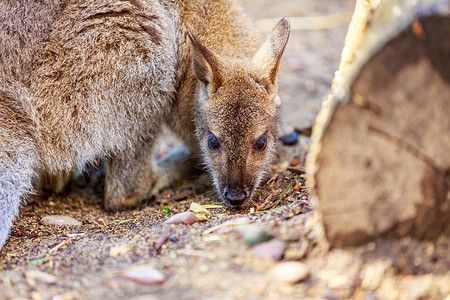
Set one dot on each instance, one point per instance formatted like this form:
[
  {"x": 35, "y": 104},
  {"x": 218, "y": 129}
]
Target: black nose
[{"x": 235, "y": 197}]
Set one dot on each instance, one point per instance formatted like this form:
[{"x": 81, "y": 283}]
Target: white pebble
[
  {"x": 34, "y": 276},
  {"x": 60, "y": 221},
  {"x": 289, "y": 272}
]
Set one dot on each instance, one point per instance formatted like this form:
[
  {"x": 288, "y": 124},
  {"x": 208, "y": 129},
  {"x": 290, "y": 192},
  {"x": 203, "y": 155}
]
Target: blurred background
[{"x": 313, "y": 52}]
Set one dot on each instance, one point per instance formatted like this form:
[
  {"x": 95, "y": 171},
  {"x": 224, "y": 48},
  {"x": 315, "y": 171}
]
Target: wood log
[{"x": 379, "y": 160}]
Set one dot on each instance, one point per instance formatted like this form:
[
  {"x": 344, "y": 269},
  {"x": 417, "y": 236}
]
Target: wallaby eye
[
  {"x": 261, "y": 143},
  {"x": 213, "y": 142}
]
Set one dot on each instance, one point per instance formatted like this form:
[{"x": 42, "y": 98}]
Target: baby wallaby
[{"x": 86, "y": 79}]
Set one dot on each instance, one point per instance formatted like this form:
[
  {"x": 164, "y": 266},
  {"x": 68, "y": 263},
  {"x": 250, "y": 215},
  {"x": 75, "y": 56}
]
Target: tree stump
[{"x": 379, "y": 161}]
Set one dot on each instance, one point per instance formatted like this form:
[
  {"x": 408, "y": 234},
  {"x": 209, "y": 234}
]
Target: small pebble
[
  {"x": 272, "y": 249},
  {"x": 289, "y": 272},
  {"x": 59, "y": 220},
  {"x": 113, "y": 283},
  {"x": 34, "y": 277},
  {"x": 290, "y": 139},
  {"x": 373, "y": 274},
  {"x": 254, "y": 234},
  {"x": 187, "y": 218},
  {"x": 119, "y": 250},
  {"x": 294, "y": 254},
  {"x": 146, "y": 276},
  {"x": 36, "y": 296}
]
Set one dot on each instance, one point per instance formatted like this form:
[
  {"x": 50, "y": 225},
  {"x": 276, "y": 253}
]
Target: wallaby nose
[{"x": 235, "y": 197}]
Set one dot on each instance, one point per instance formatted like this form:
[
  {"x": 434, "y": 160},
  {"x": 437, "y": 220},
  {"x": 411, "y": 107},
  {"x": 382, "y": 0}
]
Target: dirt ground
[{"x": 94, "y": 260}]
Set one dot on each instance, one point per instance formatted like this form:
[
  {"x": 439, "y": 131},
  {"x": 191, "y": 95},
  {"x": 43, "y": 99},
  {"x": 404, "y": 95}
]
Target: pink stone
[
  {"x": 146, "y": 276},
  {"x": 273, "y": 249},
  {"x": 187, "y": 218}
]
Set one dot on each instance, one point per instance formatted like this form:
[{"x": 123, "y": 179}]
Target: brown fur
[{"x": 86, "y": 79}]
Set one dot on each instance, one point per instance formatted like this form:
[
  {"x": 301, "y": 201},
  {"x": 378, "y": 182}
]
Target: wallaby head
[{"x": 238, "y": 109}]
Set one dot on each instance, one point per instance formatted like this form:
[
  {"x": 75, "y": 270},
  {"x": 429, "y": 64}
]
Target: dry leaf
[{"x": 202, "y": 213}]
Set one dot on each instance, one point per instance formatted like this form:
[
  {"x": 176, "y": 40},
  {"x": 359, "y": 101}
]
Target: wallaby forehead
[
  {"x": 239, "y": 118},
  {"x": 240, "y": 107}
]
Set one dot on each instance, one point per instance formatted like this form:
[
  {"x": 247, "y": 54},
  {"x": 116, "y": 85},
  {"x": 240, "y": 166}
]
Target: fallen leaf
[
  {"x": 182, "y": 195},
  {"x": 299, "y": 171},
  {"x": 202, "y": 213}
]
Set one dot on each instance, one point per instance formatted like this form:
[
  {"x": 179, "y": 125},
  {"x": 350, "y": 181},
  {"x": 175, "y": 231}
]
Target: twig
[
  {"x": 163, "y": 238},
  {"x": 214, "y": 228},
  {"x": 122, "y": 221},
  {"x": 255, "y": 204},
  {"x": 272, "y": 179},
  {"x": 260, "y": 212},
  {"x": 57, "y": 247},
  {"x": 211, "y": 206},
  {"x": 192, "y": 252},
  {"x": 269, "y": 199}
]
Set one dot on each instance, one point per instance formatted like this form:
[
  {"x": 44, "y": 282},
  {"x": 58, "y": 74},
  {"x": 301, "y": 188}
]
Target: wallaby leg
[
  {"x": 17, "y": 161},
  {"x": 16, "y": 172},
  {"x": 15, "y": 181},
  {"x": 129, "y": 178},
  {"x": 55, "y": 183}
]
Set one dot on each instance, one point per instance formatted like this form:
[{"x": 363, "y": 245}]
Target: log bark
[{"x": 379, "y": 160}]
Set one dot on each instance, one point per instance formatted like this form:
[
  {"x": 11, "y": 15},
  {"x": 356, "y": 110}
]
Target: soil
[{"x": 222, "y": 265}]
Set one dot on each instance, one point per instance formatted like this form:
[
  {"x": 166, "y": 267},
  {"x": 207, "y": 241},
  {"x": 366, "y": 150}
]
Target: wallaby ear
[
  {"x": 207, "y": 66},
  {"x": 268, "y": 57}
]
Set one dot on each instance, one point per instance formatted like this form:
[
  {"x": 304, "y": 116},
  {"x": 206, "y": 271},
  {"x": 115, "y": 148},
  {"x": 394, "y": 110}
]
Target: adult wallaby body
[{"x": 82, "y": 79}]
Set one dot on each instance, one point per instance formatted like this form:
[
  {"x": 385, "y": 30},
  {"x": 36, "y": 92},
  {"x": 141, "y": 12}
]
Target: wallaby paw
[
  {"x": 54, "y": 183},
  {"x": 4, "y": 233},
  {"x": 168, "y": 179},
  {"x": 178, "y": 164},
  {"x": 92, "y": 175}
]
